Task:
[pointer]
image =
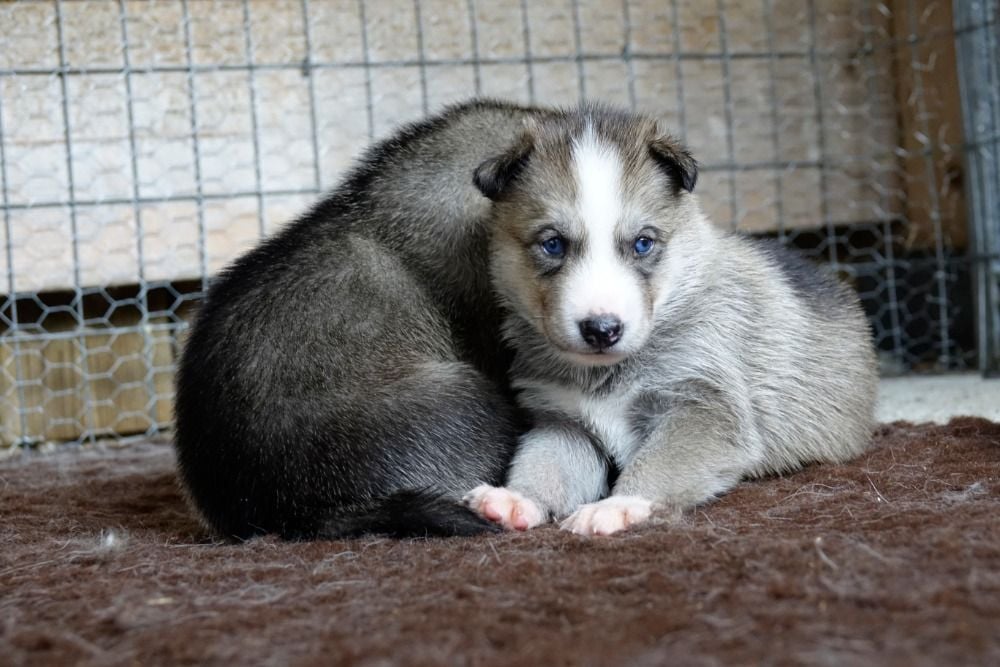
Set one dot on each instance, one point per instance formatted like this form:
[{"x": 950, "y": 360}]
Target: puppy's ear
[
  {"x": 676, "y": 161},
  {"x": 494, "y": 175}
]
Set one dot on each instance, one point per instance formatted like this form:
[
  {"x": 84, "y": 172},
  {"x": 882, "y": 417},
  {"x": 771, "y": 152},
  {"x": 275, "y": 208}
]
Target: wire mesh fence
[
  {"x": 144, "y": 145},
  {"x": 979, "y": 71}
]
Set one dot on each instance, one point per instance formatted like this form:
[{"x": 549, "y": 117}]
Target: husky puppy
[
  {"x": 347, "y": 375},
  {"x": 661, "y": 359}
]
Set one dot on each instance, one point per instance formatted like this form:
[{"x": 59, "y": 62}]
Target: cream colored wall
[{"x": 856, "y": 101}]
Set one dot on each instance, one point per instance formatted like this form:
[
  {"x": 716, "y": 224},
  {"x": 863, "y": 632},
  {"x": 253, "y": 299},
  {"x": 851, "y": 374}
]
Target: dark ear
[
  {"x": 494, "y": 175},
  {"x": 676, "y": 161}
]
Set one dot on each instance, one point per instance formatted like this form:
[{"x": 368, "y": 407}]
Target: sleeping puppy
[
  {"x": 347, "y": 376},
  {"x": 662, "y": 359}
]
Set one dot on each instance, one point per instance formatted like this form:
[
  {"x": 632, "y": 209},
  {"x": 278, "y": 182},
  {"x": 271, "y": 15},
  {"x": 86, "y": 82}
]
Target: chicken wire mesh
[{"x": 143, "y": 145}]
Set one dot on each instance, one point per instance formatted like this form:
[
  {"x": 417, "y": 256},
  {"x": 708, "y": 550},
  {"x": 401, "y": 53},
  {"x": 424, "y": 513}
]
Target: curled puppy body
[
  {"x": 347, "y": 376},
  {"x": 662, "y": 360}
]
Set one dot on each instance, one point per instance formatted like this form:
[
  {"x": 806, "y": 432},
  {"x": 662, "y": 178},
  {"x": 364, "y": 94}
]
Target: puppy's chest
[{"x": 609, "y": 418}]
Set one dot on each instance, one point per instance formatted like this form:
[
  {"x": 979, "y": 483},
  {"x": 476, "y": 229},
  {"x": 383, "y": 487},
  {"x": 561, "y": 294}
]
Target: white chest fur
[{"x": 605, "y": 417}]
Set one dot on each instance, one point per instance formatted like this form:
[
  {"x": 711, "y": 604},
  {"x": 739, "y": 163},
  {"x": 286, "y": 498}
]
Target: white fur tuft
[{"x": 110, "y": 540}]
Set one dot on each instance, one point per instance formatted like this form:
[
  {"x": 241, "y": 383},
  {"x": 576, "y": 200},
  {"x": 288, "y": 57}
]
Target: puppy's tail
[{"x": 408, "y": 514}]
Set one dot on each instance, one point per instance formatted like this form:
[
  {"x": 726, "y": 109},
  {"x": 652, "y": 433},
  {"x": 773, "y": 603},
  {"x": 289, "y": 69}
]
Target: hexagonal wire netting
[{"x": 144, "y": 145}]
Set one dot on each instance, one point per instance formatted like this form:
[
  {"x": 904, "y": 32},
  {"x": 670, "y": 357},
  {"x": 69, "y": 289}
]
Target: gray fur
[
  {"x": 755, "y": 362},
  {"x": 347, "y": 375}
]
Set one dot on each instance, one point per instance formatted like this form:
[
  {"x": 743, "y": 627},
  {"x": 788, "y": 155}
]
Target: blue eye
[
  {"x": 643, "y": 245},
  {"x": 555, "y": 246}
]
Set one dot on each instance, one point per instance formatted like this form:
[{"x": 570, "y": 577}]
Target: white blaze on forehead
[
  {"x": 598, "y": 170},
  {"x": 600, "y": 283}
]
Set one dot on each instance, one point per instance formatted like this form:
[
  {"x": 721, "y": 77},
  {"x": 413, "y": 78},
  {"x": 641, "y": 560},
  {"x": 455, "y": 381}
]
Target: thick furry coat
[
  {"x": 662, "y": 359},
  {"x": 357, "y": 371},
  {"x": 347, "y": 375}
]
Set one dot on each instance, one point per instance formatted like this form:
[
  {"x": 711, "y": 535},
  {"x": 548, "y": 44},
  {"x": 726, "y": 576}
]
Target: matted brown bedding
[{"x": 891, "y": 559}]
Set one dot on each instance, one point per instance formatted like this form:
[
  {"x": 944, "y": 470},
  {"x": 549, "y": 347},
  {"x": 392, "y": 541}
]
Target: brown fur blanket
[{"x": 891, "y": 559}]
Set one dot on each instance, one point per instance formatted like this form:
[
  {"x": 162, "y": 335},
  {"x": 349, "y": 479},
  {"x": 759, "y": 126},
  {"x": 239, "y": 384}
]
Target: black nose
[{"x": 601, "y": 332}]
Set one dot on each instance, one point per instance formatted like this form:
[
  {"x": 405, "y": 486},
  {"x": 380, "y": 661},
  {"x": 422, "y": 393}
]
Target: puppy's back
[
  {"x": 341, "y": 377},
  {"x": 822, "y": 360}
]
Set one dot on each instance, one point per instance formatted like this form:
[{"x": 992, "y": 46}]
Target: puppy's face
[{"x": 585, "y": 207}]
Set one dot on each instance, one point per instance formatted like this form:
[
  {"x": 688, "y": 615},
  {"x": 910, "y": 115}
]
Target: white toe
[{"x": 608, "y": 516}]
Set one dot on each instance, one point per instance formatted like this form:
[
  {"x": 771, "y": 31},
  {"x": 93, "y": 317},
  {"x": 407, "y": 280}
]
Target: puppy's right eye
[{"x": 554, "y": 246}]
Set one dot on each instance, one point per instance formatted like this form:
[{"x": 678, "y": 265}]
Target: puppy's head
[{"x": 585, "y": 207}]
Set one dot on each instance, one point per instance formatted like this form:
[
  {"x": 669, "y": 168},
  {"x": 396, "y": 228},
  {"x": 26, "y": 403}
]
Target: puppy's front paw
[
  {"x": 501, "y": 505},
  {"x": 608, "y": 516}
]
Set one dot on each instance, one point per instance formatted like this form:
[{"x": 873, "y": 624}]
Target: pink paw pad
[{"x": 508, "y": 508}]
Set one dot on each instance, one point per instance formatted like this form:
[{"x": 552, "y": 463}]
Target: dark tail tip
[{"x": 410, "y": 514}]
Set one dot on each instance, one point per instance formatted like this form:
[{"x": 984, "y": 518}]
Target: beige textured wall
[
  {"x": 771, "y": 119},
  {"x": 796, "y": 123}
]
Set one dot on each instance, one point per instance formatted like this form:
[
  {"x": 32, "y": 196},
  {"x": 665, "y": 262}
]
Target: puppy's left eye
[{"x": 643, "y": 245}]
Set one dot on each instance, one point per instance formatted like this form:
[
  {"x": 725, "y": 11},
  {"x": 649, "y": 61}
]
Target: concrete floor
[{"x": 938, "y": 398}]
